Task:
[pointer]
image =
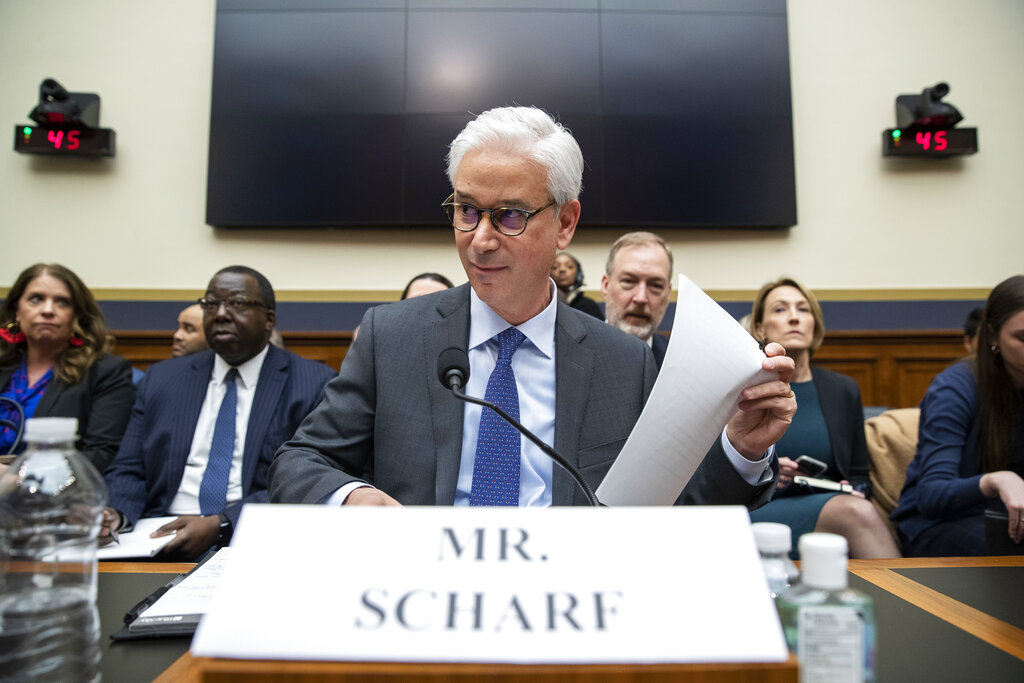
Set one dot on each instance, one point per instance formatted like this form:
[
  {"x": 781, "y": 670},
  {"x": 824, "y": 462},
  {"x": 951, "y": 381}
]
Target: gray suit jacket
[{"x": 386, "y": 418}]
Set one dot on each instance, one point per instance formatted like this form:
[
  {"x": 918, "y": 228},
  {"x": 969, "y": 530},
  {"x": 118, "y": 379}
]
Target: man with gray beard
[{"x": 637, "y": 285}]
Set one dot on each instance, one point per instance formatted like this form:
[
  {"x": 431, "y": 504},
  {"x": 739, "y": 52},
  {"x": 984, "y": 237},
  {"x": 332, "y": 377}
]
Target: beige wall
[{"x": 136, "y": 222}]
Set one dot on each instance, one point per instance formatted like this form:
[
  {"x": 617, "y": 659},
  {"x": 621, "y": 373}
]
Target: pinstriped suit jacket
[
  {"x": 387, "y": 419},
  {"x": 147, "y": 471}
]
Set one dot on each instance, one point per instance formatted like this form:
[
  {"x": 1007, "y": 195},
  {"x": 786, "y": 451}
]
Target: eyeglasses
[
  {"x": 511, "y": 222},
  {"x": 235, "y": 304}
]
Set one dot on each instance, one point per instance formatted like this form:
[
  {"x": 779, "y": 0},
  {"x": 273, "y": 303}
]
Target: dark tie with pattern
[
  {"x": 213, "y": 492},
  {"x": 496, "y": 466}
]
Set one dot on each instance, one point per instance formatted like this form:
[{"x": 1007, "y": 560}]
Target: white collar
[
  {"x": 485, "y": 323},
  {"x": 249, "y": 371}
]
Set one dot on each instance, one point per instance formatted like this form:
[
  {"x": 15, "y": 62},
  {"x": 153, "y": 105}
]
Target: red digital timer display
[
  {"x": 94, "y": 142},
  {"x": 929, "y": 143}
]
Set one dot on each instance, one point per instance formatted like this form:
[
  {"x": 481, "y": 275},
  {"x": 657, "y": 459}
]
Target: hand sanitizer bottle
[
  {"x": 829, "y": 626},
  {"x": 773, "y": 543}
]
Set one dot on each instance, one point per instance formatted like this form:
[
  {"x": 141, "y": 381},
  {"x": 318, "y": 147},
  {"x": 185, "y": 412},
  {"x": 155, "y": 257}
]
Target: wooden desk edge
[
  {"x": 995, "y": 632},
  {"x": 189, "y": 669},
  {"x": 144, "y": 567}
]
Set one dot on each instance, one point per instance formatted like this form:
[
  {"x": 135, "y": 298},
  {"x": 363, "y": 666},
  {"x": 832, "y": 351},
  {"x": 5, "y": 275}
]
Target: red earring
[
  {"x": 76, "y": 340},
  {"x": 11, "y": 333}
]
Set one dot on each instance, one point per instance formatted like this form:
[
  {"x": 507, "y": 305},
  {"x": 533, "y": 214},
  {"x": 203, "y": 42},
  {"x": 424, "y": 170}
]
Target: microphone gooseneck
[{"x": 453, "y": 372}]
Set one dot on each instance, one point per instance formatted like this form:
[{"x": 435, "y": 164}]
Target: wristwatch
[{"x": 226, "y": 529}]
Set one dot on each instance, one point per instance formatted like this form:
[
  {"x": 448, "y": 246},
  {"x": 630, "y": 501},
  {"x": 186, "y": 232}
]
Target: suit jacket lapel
[
  {"x": 54, "y": 389},
  {"x": 269, "y": 390},
  {"x": 450, "y": 329},
  {"x": 184, "y": 415},
  {"x": 830, "y": 402},
  {"x": 574, "y": 367}
]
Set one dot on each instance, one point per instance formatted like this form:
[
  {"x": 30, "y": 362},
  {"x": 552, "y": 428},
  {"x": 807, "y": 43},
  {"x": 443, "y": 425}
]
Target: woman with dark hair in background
[
  {"x": 54, "y": 361},
  {"x": 567, "y": 273},
  {"x": 970, "y": 447},
  {"x": 426, "y": 283},
  {"x": 828, "y": 426}
]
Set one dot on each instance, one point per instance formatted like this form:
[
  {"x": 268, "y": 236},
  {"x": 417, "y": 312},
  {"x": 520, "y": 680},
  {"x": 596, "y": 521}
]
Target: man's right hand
[
  {"x": 111, "y": 522},
  {"x": 367, "y": 495}
]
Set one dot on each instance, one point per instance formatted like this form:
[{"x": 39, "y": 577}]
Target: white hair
[{"x": 529, "y": 132}]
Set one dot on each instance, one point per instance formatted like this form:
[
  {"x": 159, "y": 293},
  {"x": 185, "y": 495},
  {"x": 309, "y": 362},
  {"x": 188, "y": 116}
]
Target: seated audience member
[
  {"x": 828, "y": 426},
  {"x": 637, "y": 285},
  {"x": 388, "y": 432},
  {"x": 189, "y": 337},
  {"x": 970, "y": 449},
  {"x": 54, "y": 361},
  {"x": 567, "y": 273},
  {"x": 971, "y": 330},
  {"x": 426, "y": 283},
  {"x": 205, "y": 426}
]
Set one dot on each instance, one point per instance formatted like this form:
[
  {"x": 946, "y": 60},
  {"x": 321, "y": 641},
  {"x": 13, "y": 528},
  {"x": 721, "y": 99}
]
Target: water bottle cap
[
  {"x": 772, "y": 537},
  {"x": 51, "y": 429},
  {"x": 823, "y": 559}
]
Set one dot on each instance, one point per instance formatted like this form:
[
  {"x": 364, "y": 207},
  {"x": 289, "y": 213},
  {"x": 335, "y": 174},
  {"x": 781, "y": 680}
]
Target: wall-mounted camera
[
  {"x": 925, "y": 127},
  {"x": 66, "y": 124}
]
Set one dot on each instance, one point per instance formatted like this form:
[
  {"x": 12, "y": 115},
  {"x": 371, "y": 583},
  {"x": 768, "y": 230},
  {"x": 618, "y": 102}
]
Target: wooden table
[{"x": 938, "y": 619}]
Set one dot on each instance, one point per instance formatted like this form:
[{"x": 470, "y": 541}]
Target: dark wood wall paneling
[{"x": 893, "y": 368}]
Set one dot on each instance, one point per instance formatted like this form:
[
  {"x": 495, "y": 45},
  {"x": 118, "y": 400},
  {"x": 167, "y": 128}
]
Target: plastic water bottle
[
  {"x": 774, "y": 541},
  {"x": 828, "y": 625},
  {"x": 51, "y": 505}
]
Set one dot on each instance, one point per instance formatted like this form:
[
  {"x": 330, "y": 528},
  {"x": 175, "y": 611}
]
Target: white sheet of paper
[
  {"x": 195, "y": 592},
  {"x": 137, "y": 543},
  {"x": 710, "y": 359},
  {"x": 576, "y": 585}
]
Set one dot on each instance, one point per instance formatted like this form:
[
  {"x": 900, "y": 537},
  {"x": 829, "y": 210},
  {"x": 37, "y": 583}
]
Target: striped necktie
[{"x": 213, "y": 492}]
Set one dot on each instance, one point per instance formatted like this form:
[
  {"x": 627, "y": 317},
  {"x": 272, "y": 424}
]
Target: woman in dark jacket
[
  {"x": 54, "y": 361},
  {"x": 970, "y": 450},
  {"x": 829, "y": 427}
]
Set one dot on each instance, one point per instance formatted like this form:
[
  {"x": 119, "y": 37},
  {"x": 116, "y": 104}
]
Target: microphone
[
  {"x": 453, "y": 372},
  {"x": 453, "y": 368}
]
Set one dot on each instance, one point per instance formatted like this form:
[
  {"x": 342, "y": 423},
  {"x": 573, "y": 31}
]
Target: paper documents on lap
[
  {"x": 710, "y": 359},
  {"x": 137, "y": 543}
]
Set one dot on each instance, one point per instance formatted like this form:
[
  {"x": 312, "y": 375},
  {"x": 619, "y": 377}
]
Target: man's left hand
[
  {"x": 766, "y": 410},
  {"x": 195, "y": 536}
]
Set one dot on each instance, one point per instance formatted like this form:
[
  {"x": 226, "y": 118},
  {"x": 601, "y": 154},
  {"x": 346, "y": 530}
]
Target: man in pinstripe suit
[{"x": 198, "y": 448}]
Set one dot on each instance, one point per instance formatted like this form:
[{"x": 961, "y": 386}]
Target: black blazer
[
  {"x": 844, "y": 419},
  {"x": 102, "y": 402}
]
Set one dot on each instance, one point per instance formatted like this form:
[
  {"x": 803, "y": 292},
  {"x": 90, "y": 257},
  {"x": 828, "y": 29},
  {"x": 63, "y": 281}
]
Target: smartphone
[{"x": 811, "y": 466}]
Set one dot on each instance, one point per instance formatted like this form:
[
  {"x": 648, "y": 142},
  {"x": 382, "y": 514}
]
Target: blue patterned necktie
[
  {"x": 496, "y": 466},
  {"x": 213, "y": 492}
]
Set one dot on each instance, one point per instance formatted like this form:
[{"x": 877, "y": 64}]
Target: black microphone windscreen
[{"x": 453, "y": 359}]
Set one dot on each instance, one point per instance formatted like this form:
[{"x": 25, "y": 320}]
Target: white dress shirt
[
  {"x": 186, "y": 502},
  {"x": 534, "y": 367}
]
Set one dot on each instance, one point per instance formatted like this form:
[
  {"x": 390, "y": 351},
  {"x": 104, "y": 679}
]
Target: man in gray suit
[{"x": 387, "y": 431}]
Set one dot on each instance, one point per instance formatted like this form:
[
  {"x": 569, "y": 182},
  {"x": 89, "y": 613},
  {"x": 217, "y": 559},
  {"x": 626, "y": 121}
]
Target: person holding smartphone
[{"x": 826, "y": 438}]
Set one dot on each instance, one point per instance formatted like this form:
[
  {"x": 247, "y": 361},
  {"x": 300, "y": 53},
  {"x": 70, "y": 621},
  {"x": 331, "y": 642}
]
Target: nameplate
[{"x": 557, "y": 585}]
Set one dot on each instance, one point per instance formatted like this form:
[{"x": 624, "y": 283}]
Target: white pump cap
[
  {"x": 51, "y": 429},
  {"x": 823, "y": 561},
  {"x": 772, "y": 537}
]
